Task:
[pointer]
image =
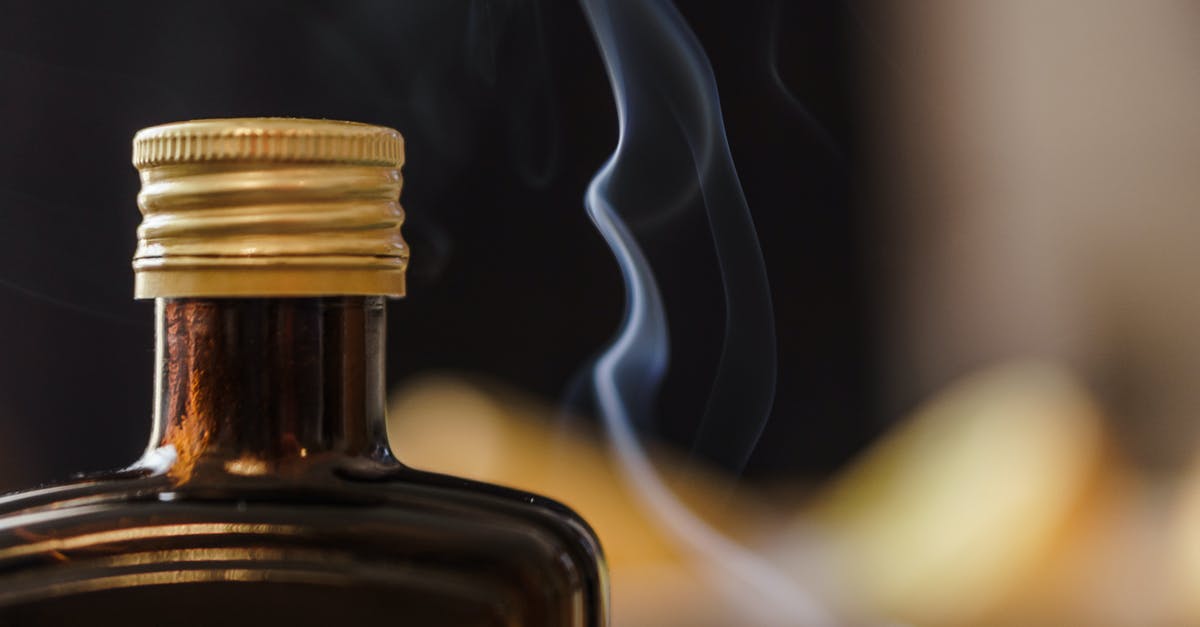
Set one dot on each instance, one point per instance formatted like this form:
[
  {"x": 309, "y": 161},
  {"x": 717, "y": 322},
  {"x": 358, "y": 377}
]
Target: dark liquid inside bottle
[{"x": 269, "y": 496}]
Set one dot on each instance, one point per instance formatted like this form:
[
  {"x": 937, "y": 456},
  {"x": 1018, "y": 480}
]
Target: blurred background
[{"x": 977, "y": 221}]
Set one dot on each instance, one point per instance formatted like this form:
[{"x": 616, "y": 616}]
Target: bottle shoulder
[{"x": 370, "y": 490}]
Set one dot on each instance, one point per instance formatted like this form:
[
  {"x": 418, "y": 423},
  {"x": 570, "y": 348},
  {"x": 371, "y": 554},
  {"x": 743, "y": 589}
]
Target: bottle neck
[{"x": 252, "y": 386}]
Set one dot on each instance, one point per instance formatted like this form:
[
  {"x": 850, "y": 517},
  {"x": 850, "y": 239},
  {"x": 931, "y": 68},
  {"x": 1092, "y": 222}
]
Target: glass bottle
[{"x": 268, "y": 494}]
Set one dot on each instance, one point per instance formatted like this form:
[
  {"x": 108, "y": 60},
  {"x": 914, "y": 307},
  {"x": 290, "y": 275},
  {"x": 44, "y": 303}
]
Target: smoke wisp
[{"x": 665, "y": 91}]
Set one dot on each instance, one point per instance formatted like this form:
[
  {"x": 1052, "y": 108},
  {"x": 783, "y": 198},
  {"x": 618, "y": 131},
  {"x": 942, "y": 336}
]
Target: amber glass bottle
[{"x": 268, "y": 494}]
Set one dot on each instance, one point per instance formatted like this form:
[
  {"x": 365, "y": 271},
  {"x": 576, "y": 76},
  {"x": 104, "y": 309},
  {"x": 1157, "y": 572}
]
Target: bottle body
[
  {"x": 268, "y": 495},
  {"x": 395, "y": 544}
]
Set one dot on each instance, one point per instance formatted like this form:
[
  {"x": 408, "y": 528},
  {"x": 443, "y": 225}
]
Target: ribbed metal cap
[{"x": 269, "y": 207}]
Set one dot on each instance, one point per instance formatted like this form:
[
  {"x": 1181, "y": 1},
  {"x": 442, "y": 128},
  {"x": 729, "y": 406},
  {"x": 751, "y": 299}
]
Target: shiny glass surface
[{"x": 269, "y": 496}]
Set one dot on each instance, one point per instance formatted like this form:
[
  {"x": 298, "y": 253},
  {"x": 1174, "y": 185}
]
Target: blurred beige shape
[
  {"x": 1184, "y": 556},
  {"x": 949, "y": 519},
  {"x": 487, "y": 432},
  {"x": 1041, "y": 163}
]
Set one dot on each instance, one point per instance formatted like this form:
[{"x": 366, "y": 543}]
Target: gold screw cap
[{"x": 269, "y": 207}]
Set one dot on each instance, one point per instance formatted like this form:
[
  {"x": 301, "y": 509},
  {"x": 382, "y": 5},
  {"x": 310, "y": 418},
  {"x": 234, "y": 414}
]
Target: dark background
[{"x": 507, "y": 114}]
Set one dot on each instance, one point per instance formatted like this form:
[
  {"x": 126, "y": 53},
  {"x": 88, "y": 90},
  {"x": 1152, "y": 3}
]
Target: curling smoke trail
[{"x": 649, "y": 52}]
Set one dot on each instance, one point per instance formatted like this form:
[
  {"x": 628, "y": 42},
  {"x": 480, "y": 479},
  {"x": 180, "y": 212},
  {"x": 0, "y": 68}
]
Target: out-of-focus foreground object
[
  {"x": 948, "y": 520},
  {"x": 1001, "y": 502}
]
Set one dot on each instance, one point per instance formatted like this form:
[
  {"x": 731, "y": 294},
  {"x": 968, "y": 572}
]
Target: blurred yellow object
[
  {"x": 481, "y": 431},
  {"x": 998, "y": 504},
  {"x": 944, "y": 521}
]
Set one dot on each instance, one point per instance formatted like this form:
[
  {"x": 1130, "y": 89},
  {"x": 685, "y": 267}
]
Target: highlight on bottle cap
[{"x": 269, "y": 207}]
